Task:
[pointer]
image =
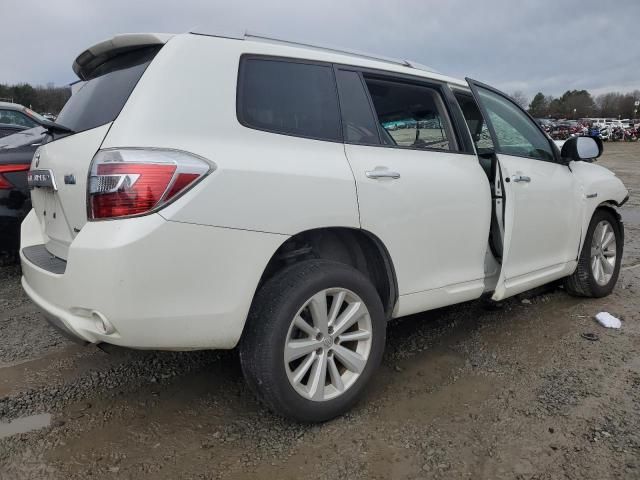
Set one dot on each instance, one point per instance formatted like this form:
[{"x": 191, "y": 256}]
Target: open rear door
[{"x": 541, "y": 198}]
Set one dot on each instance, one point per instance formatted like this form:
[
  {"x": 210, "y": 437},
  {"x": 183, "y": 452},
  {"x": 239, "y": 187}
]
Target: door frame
[{"x": 537, "y": 277}]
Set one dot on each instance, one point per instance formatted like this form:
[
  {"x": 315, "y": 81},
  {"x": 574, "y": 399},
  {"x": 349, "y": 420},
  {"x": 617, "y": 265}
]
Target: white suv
[{"x": 327, "y": 193}]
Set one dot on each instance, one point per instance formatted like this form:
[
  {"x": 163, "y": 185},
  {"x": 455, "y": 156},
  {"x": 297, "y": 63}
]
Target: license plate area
[
  {"x": 50, "y": 213},
  {"x": 41, "y": 179}
]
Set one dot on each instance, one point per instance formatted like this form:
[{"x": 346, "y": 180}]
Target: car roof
[
  {"x": 340, "y": 55},
  {"x": 11, "y": 106},
  {"x": 98, "y": 53}
]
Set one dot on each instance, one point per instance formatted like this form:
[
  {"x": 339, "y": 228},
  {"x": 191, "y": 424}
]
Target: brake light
[
  {"x": 132, "y": 182},
  {"x": 10, "y": 168}
]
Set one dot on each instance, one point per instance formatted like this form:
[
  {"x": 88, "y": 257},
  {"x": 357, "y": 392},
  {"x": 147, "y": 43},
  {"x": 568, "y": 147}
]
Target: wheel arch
[
  {"x": 582, "y": 282},
  {"x": 611, "y": 206},
  {"x": 358, "y": 248}
]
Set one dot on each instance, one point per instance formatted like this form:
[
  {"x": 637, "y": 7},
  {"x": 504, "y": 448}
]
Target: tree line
[
  {"x": 571, "y": 104},
  {"x": 574, "y": 104},
  {"x": 42, "y": 99}
]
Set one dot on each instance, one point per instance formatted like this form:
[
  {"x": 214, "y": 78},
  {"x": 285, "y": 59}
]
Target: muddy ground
[{"x": 471, "y": 391}]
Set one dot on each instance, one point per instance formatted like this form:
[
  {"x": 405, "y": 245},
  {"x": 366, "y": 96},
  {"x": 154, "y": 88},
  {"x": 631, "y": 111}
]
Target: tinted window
[
  {"x": 358, "y": 122},
  {"x": 516, "y": 134},
  {"x": 475, "y": 122},
  {"x": 101, "y": 98},
  {"x": 291, "y": 98},
  {"x": 13, "y": 117},
  {"x": 410, "y": 115}
]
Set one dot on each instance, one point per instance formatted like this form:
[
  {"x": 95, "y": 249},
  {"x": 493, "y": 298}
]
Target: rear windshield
[{"x": 101, "y": 98}]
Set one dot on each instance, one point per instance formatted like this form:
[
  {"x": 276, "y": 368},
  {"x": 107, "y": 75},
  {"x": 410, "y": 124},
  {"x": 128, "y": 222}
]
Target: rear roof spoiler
[{"x": 99, "y": 53}]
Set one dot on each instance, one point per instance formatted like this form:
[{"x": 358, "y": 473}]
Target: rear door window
[
  {"x": 100, "y": 99},
  {"x": 288, "y": 97},
  {"x": 410, "y": 115}
]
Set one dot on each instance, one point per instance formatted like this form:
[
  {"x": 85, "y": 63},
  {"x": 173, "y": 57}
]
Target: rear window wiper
[{"x": 53, "y": 127}]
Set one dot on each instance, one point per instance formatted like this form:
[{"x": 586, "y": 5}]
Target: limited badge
[{"x": 41, "y": 179}]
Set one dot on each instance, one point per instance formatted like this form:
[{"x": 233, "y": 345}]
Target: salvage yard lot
[{"x": 470, "y": 391}]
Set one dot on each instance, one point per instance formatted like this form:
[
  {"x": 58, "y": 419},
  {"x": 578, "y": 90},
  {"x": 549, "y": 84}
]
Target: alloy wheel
[
  {"x": 603, "y": 253},
  {"x": 328, "y": 344}
]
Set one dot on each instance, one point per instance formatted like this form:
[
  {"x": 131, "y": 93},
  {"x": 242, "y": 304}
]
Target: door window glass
[
  {"x": 516, "y": 134},
  {"x": 410, "y": 115},
  {"x": 475, "y": 121},
  {"x": 289, "y": 97}
]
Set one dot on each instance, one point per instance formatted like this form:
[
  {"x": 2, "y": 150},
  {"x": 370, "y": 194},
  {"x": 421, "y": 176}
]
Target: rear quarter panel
[{"x": 268, "y": 182}]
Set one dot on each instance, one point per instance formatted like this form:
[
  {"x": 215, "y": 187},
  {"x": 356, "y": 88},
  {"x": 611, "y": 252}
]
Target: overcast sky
[{"x": 529, "y": 45}]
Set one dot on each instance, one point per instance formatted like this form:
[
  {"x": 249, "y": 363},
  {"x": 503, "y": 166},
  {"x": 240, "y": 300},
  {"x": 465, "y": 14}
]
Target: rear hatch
[{"x": 110, "y": 71}]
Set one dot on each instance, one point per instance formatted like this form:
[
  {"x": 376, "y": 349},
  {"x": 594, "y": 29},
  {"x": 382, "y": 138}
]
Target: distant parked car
[
  {"x": 15, "y": 202},
  {"x": 560, "y": 131},
  {"x": 9, "y": 129},
  {"x": 15, "y": 118},
  {"x": 16, "y": 152},
  {"x": 31, "y": 136}
]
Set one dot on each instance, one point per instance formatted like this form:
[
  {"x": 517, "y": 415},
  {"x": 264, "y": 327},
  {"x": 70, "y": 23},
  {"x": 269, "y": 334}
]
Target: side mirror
[{"x": 582, "y": 148}]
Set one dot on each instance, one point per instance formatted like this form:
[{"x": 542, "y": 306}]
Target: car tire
[
  {"x": 597, "y": 271},
  {"x": 342, "y": 357}
]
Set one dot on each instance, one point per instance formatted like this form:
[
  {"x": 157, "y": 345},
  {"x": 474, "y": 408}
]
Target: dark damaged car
[{"x": 16, "y": 153}]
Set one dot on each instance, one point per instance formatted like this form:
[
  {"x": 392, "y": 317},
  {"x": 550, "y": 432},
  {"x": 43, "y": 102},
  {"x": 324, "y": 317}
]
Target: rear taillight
[
  {"x": 10, "y": 168},
  {"x": 130, "y": 182}
]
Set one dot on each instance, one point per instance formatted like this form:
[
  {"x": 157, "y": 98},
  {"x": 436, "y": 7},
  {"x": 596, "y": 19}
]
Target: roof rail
[
  {"x": 355, "y": 53},
  {"x": 420, "y": 66}
]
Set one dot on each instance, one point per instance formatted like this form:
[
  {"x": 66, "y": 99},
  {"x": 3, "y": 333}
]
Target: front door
[{"x": 542, "y": 215}]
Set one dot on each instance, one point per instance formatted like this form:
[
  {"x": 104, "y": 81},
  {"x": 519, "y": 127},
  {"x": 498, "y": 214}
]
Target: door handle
[
  {"x": 521, "y": 178},
  {"x": 379, "y": 173}
]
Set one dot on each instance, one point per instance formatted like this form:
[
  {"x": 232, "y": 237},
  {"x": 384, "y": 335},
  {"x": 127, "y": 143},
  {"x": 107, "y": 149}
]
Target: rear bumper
[
  {"x": 151, "y": 283},
  {"x": 59, "y": 325}
]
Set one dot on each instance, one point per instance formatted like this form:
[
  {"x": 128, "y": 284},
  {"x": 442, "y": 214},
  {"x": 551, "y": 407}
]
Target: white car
[{"x": 291, "y": 223}]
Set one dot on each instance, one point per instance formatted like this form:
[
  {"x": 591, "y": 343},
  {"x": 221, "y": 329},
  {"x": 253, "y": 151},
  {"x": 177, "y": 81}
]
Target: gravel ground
[{"x": 472, "y": 391}]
